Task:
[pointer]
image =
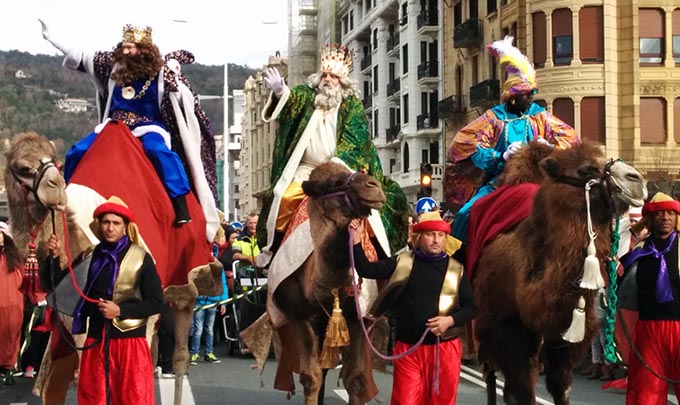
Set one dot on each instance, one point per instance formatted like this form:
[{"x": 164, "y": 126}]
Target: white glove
[
  {"x": 274, "y": 81},
  {"x": 46, "y": 35},
  {"x": 543, "y": 141},
  {"x": 512, "y": 149}
]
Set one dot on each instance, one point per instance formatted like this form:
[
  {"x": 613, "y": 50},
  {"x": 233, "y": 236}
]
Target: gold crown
[
  {"x": 336, "y": 60},
  {"x": 136, "y": 34}
]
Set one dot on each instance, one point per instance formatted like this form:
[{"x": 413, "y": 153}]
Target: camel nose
[{"x": 372, "y": 183}]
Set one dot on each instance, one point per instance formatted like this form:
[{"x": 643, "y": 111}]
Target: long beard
[
  {"x": 130, "y": 69},
  {"x": 328, "y": 96}
]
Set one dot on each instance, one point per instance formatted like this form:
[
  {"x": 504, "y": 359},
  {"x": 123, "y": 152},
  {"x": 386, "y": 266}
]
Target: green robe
[{"x": 354, "y": 147}]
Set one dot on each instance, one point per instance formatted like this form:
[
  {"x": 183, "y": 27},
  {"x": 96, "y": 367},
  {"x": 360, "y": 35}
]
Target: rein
[
  {"x": 342, "y": 190},
  {"x": 45, "y": 164}
]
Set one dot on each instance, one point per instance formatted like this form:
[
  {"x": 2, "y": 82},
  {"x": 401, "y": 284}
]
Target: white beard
[{"x": 327, "y": 96}]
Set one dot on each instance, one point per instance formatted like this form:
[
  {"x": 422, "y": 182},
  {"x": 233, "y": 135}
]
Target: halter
[
  {"x": 37, "y": 176},
  {"x": 341, "y": 190}
]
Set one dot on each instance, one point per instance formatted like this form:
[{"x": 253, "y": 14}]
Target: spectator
[
  {"x": 203, "y": 325},
  {"x": 11, "y": 304},
  {"x": 245, "y": 248}
]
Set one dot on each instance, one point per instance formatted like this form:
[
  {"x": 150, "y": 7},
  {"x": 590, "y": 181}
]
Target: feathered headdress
[
  {"x": 521, "y": 73},
  {"x": 336, "y": 60}
]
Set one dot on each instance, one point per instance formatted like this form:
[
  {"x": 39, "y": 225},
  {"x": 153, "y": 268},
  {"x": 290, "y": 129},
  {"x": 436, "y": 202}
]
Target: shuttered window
[
  {"x": 651, "y": 35},
  {"x": 538, "y": 30},
  {"x": 592, "y": 119},
  {"x": 591, "y": 34},
  {"x": 562, "y": 36},
  {"x": 563, "y": 108},
  {"x": 652, "y": 120}
]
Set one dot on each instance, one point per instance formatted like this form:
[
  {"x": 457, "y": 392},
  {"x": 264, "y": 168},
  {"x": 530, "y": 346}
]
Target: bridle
[
  {"x": 31, "y": 182},
  {"x": 341, "y": 191}
]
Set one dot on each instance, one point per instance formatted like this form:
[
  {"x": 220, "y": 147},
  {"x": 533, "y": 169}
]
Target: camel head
[
  {"x": 342, "y": 194},
  {"x": 32, "y": 172},
  {"x": 585, "y": 164}
]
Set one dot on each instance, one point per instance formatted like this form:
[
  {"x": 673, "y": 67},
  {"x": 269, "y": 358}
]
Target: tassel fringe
[
  {"x": 577, "y": 329},
  {"x": 30, "y": 283},
  {"x": 337, "y": 335},
  {"x": 592, "y": 276}
]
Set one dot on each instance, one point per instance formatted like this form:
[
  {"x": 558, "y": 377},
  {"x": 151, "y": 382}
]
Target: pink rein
[{"x": 363, "y": 326}]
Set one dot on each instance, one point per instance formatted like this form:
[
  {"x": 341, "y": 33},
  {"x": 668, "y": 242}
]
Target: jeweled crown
[
  {"x": 336, "y": 60},
  {"x": 136, "y": 34}
]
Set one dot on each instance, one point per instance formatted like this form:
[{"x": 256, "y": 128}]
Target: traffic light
[{"x": 425, "y": 180}]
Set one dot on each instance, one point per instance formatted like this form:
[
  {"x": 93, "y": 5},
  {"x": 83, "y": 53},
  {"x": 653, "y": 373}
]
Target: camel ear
[
  {"x": 550, "y": 166},
  {"x": 312, "y": 188}
]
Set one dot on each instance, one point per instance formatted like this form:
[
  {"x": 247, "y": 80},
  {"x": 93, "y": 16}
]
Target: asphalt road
[{"x": 235, "y": 381}]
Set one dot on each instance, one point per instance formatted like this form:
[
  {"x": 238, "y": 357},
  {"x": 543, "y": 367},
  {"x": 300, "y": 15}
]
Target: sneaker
[
  {"x": 194, "y": 359},
  {"x": 29, "y": 373},
  {"x": 211, "y": 358}
]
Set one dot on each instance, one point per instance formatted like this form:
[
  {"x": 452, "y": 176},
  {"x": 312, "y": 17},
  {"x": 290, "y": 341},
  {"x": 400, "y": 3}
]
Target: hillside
[{"x": 30, "y": 103}]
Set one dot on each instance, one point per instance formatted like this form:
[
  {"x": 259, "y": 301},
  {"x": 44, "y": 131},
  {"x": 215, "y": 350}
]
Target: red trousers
[
  {"x": 130, "y": 373},
  {"x": 659, "y": 345},
  {"x": 413, "y": 382}
]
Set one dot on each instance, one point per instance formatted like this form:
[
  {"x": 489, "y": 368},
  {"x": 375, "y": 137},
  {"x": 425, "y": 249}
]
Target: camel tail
[{"x": 489, "y": 374}]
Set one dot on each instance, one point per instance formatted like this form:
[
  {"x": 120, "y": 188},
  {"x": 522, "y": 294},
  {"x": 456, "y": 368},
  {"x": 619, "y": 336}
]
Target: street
[{"x": 235, "y": 381}]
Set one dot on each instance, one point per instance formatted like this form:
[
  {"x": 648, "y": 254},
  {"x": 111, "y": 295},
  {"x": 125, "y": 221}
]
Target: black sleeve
[
  {"x": 467, "y": 307},
  {"x": 375, "y": 270},
  {"x": 152, "y": 293}
]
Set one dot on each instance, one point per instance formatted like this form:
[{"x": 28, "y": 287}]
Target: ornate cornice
[
  {"x": 588, "y": 88},
  {"x": 656, "y": 89}
]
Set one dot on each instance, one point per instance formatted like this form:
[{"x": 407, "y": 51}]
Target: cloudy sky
[{"x": 237, "y": 31}]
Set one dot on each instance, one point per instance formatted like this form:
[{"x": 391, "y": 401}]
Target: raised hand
[
  {"x": 512, "y": 149},
  {"x": 46, "y": 35},
  {"x": 274, "y": 81}
]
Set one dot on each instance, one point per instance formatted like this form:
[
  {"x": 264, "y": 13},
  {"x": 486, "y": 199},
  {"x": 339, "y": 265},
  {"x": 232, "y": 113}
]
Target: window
[
  {"x": 375, "y": 79},
  {"x": 676, "y": 119},
  {"x": 393, "y": 162},
  {"x": 406, "y": 158},
  {"x": 563, "y": 108},
  {"x": 474, "y": 66},
  {"x": 652, "y": 120},
  {"x": 676, "y": 36},
  {"x": 474, "y": 9},
  {"x": 458, "y": 14},
  {"x": 375, "y": 39},
  {"x": 491, "y": 6},
  {"x": 404, "y": 59},
  {"x": 404, "y": 14},
  {"x": 593, "y": 119},
  {"x": 423, "y": 102},
  {"x": 538, "y": 29},
  {"x": 405, "y": 108},
  {"x": 434, "y": 152},
  {"x": 591, "y": 34},
  {"x": 562, "y": 36},
  {"x": 425, "y": 156},
  {"x": 676, "y": 48},
  {"x": 375, "y": 123},
  {"x": 651, "y": 35},
  {"x": 351, "y": 20}
]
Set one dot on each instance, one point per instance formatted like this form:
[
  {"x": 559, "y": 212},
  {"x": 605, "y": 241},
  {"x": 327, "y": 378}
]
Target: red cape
[
  {"x": 494, "y": 213},
  {"x": 116, "y": 164}
]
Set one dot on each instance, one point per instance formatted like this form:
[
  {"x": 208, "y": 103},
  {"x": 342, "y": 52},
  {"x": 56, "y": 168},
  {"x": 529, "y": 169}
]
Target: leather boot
[
  {"x": 607, "y": 372},
  {"x": 181, "y": 210}
]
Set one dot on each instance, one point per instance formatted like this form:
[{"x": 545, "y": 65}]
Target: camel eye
[
  {"x": 588, "y": 171},
  {"x": 23, "y": 168}
]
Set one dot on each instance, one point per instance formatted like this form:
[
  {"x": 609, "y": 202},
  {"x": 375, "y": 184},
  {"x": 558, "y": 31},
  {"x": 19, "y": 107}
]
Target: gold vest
[
  {"x": 126, "y": 287},
  {"x": 447, "y": 297}
]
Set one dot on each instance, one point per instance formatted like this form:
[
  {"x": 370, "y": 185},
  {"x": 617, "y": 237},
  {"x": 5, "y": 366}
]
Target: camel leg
[
  {"x": 560, "y": 360},
  {"x": 310, "y": 369},
  {"x": 489, "y": 375},
  {"x": 357, "y": 363},
  {"x": 182, "y": 300},
  {"x": 519, "y": 366}
]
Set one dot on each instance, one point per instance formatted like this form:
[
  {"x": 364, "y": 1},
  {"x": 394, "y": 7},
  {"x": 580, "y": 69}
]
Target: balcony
[
  {"x": 468, "y": 34},
  {"x": 393, "y": 87},
  {"x": 427, "y": 121},
  {"x": 452, "y": 106},
  {"x": 366, "y": 62},
  {"x": 429, "y": 69},
  {"x": 393, "y": 42},
  {"x": 428, "y": 18},
  {"x": 392, "y": 133},
  {"x": 488, "y": 91}
]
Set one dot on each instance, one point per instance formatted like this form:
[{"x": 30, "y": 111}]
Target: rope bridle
[
  {"x": 341, "y": 191},
  {"x": 31, "y": 182}
]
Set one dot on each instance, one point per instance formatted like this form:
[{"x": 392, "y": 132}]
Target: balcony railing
[
  {"x": 468, "y": 34},
  {"x": 427, "y": 120},
  {"x": 452, "y": 106},
  {"x": 428, "y": 18},
  {"x": 392, "y": 133},
  {"x": 393, "y": 87},
  {"x": 428, "y": 69},
  {"x": 366, "y": 62},
  {"x": 393, "y": 41},
  {"x": 485, "y": 92}
]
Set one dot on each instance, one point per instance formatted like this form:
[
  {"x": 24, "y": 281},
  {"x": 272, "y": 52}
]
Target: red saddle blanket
[
  {"x": 116, "y": 164},
  {"x": 495, "y": 213}
]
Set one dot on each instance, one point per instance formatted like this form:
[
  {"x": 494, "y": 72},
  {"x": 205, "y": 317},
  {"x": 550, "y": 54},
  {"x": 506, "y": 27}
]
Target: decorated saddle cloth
[
  {"x": 495, "y": 213},
  {"x": 297, "y": 245}
]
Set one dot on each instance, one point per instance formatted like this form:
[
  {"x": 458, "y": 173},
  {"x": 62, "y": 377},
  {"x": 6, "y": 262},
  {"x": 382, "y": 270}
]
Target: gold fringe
[{"x": 337, "y": 335}]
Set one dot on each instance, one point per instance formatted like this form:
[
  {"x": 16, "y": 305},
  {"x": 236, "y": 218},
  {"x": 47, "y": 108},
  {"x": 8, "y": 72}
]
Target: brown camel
[
  {"x": 527, "y": 279},
  {"x": 34, "y": 188},
  {"x": 305, "y": 297}
]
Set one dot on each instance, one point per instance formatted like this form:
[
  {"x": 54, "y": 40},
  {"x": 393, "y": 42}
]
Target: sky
[{"x": 243, "y": 32}]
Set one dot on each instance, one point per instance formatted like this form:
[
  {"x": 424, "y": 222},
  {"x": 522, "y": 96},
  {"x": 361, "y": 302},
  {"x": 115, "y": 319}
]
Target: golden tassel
[{"x": 337, "y": 335}]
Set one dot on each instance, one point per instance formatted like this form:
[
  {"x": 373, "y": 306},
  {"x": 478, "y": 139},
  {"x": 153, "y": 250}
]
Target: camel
[
  {"x": 336, "y": 196},
  {"x": 527, "y": 278},
  {"x": 35, "y": 187}
]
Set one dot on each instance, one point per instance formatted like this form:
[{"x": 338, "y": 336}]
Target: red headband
[
  {"x": 432, "y": 225},
  {"x": 113, "y": 208},
  {"x": 670, "y": 205}
]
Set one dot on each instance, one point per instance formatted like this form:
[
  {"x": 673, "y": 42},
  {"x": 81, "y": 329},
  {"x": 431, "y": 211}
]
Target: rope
[
  {"x": 230, "y": 300},
  {"x": 610, "y": 352},
  {"x": 68, "y": 257}
]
